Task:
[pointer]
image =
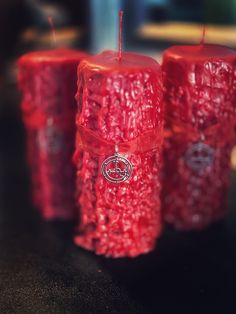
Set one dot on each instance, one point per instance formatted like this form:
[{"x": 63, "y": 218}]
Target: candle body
[
  {"x": 32, "y": 155},
  {"x": 199, "y": 97},
  {"x": 48, "y": 83},
  {"x": 119, "y": 101}
]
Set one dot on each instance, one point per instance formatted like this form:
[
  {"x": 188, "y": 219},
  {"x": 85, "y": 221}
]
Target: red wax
[
  {"x": 118, "y": 101},
  {"x": 199, "y": 99},
  {"x": 47, "y": 80}
]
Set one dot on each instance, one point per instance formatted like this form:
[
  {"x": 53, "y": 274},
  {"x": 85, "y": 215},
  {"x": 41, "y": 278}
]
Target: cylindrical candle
[
  {"x": 199, "y": 98},
  {"x": 48, "y": 83},
  {"x": 119, "y": 145}
]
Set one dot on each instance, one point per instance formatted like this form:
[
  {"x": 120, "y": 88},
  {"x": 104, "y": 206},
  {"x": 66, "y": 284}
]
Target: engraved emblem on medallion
[
  {"x": 198, "y": 156},
  {"x": 116, "y": 169}
]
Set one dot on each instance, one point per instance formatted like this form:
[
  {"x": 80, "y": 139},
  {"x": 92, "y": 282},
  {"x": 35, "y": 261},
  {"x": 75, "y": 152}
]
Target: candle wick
[
  {"x": 203, "y": 37},
  {"x": 53, "y": 32},
  {"x": 120, "y": 34}
]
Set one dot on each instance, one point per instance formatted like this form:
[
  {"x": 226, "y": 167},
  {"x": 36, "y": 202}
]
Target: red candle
[
  {"x": 48, "y": 83},
  {"x": 118, "y": 157},
  {"x": 199, "y": 97}
]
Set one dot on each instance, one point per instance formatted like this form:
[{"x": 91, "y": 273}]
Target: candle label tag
[
  {"x": 199, "y": 156},
  {"x": 116, "y": 169}
]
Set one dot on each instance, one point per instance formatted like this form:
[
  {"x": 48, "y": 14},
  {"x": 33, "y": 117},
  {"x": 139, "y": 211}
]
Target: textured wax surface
[
  {"x": 119, "y": 102},
  {"x": 200, "y": 90},
  {"x": 48, "y": 82},
  {"x": 200, "y": 94}
]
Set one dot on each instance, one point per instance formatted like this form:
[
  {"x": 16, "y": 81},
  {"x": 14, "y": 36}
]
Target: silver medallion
[
  {"x": 199, "y": 156},
  {"x": 116, "y": 168},
  {"x": 51, "y": 140}
]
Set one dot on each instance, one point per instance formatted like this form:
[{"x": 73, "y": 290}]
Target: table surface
[{"x": 41, "y": 271}]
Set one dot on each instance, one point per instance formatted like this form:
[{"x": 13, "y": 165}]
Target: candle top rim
[
  {"x": 109, "y": 60},
  {"x": 200, "y": 51},
  {"x": 53, "y": 55}
]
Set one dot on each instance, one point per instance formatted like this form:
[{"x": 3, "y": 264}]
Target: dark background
[
  {"x": 41, "y": 271},
  {"x": 93, "y": 16}
]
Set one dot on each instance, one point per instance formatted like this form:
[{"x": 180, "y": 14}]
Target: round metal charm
[
  {"x": 198, "y": 156},
  {"x": 116, "y": 169},
  {"x": 51, "y": 140}
]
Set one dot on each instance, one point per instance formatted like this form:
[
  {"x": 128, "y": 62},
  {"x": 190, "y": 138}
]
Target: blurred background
[
  {"x": 149, "y": 25},
  {"x": 92, "y": 25},
  {"x": 40, "y": 269}
]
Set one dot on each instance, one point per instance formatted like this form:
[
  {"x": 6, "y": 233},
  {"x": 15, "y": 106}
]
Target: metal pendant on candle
[
  {"x": 116, "y": 168},
  {"x": 199, "y": 156},
  {"x": 51, "y": 139}
]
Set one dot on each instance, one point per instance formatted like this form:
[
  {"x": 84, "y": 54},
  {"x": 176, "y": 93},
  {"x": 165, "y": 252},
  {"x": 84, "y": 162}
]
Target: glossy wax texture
[
  {"x": 119, "y": 101},
  {"x": 200, "y": 102},
  {"x": 47, "y": 80}
]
